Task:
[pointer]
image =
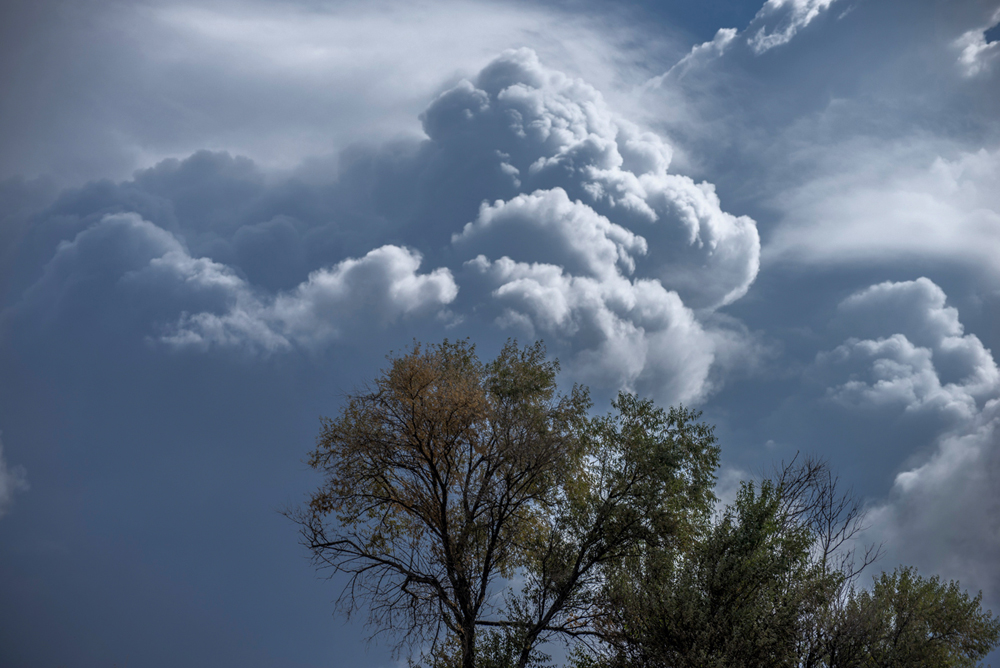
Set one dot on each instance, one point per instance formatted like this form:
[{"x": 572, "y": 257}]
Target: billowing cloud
[
  {"x": 350, "y": 297},
  {"x": 546, "y": 130},
  {"x": 606, "y": 251},
  {"x": 621, "y": 331},
  {"x": 919, "y": 358},
  {"x": 13, "y": 479},
  {"x": 943, "y": 511},
  {"x": 134, "y": 260},
  {"x": 631, "y": 334},
  {"x": 555, "y": 214},
  {"x": 555, "y": 225}
]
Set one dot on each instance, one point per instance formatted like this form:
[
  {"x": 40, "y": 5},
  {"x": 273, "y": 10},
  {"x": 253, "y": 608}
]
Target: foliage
[
  {"x": 738, "y": 598},
  {"x": 646, "y": 484},
  {"x": 772, "y": 584},
  {"x": 908, "y": 620},
  {"x": 495, "y": 648},
  {"x": 449, "y": 476},
  {"x": 450, "y": 479}
]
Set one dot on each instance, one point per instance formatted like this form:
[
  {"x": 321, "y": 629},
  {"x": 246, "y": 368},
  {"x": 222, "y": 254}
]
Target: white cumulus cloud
[
  {"x": 919, "y": 358},
  {"x": 605, "y": 251},
  {"x": 551, "y": 225},
  {"x": 943, "y": 512},
  {"x": 554, "y": 131},
  {"x": 334, "y": 303},
  {"x": 202, "y": 303},
  {"x": 632, "y": 334}
]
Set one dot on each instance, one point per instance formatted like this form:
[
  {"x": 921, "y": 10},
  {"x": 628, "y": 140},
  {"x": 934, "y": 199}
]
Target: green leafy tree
[
  {"x": 449, "y": 476},
  {"x": 449, "y": 479},
  {"x": 434, "y": 477},
  {"x": 739, "y": 598},
  {"x": 909, "y": 621},
  {"x": 772, "y": 583},
  {"x": 645, "y": 484}
]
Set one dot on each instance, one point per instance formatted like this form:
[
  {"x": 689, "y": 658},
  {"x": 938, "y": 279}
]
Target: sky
[{"x": 217, "y": 218}]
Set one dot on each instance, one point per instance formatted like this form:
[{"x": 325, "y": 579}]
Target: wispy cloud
[{"x": 778, "y": 21}]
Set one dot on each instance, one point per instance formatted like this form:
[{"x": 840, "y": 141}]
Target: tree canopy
[{"x": 477, "y": 513}]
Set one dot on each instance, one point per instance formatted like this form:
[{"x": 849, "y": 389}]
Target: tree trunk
[
  {"x": 529, "y": 644},
  {"x": 469, "y": 645}
]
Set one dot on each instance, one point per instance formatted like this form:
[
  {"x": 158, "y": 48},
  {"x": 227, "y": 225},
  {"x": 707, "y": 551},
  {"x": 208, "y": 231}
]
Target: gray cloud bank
[
  {"x": 101, "y": 88},
  {"x": 532, "y": 207}
]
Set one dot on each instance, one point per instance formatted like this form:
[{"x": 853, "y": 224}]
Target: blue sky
[{"x": 216, "y": 218}]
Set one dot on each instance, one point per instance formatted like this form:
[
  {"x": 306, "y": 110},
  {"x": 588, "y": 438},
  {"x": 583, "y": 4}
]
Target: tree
[
  {"x": 738, "y": 598},
  {"x": 449, "y": 479},
  {"x": 772, "y": 583},
  {"x": 449, "y": 476},
  {"x": 910, "y": 621},
  {"x": 645, "y": 484}
]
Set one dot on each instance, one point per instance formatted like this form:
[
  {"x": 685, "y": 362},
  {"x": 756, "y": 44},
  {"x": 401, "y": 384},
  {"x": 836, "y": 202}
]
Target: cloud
[
  {"x": 150, "y": 80},
  {"x": 634, "y": 335},
  {"x": 947, "y": 209},
  {"x": 607, "y": 252},
  {"x": 336, "y": 303},
  {"x": 552, "y": 211},
  {"x": 552, "y": 131},
  {"x": 778, "y": 21},
  {"x": 921, "y": 360},
  {"x": 12, "y": 480},
  {"x": 555, "y": 225},
  {"x": 943, "y": 511},
  {"x": 132, "y": 262},
  {"x": 977, "y": 53},
  {"x": 866, "y": 163},
  {"x": 698, "y": 57},
  {"x": 944, "y": 515},
  {"x": 775, "y": 24}
]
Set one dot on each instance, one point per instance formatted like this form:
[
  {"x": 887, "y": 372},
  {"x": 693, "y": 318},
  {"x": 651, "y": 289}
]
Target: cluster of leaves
[
  {"x": 773, "y": 583},
  {"x": 451, "y": 479}
]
